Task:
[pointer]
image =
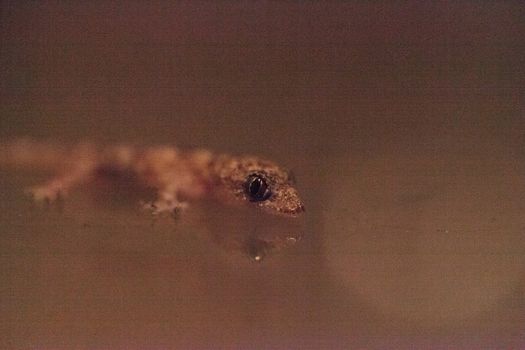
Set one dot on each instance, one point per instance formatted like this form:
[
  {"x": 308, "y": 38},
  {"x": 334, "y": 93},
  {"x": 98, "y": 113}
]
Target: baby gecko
[{"x": 178, "y": 177}]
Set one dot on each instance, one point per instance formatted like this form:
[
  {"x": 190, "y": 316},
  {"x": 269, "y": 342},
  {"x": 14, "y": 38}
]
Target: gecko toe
[
  {"x": 164, "y": 208},
  {"x": 45, "y": 195}
]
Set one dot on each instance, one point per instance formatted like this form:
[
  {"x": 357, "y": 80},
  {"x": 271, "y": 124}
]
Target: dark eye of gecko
[{"x": 257, "y": 188}]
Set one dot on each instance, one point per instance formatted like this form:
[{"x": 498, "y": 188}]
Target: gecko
[{"x": 178, "y": 177}]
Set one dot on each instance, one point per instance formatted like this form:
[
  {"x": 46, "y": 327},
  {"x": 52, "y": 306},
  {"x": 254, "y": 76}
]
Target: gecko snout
[{"x": 286, "y": 201}]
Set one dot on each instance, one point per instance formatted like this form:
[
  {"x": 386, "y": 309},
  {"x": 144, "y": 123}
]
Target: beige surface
[{"x": 403, "y": 124}]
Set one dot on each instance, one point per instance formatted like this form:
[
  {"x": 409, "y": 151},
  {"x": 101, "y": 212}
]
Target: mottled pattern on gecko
[{"x": 178, "y": 177}]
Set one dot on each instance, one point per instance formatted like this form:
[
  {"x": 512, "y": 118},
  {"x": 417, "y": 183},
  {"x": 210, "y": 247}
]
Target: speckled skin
[
  {"x": 230, "y": 176},
  {"x": 178, "y": 177}
]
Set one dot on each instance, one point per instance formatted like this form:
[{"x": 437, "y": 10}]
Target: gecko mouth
[
  {"x": 298, "y": 210},
  {"x": 293, "y": 211}
]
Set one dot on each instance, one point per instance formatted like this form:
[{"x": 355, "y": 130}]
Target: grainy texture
[{"x": 404, "y": 122}]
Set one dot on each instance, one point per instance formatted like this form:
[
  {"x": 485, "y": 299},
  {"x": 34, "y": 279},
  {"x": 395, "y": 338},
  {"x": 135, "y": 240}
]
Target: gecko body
[{"x": 177, "y": 177}]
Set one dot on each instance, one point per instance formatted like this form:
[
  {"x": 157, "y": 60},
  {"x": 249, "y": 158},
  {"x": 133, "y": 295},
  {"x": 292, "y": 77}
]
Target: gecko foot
[
  {"x": 164, "y": 207},
  {"x": 46, "y": 194}
]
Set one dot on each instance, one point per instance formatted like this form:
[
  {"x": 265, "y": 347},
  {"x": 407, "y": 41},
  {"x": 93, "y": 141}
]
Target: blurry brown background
[{"x": 403, "y": 122}]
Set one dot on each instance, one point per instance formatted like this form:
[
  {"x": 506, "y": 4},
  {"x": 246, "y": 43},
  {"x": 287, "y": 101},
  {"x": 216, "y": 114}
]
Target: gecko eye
[{"x": 257, "y": 188}]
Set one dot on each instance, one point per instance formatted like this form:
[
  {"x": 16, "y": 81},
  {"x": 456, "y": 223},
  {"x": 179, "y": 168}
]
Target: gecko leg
[{"x": 59, "y": 186}]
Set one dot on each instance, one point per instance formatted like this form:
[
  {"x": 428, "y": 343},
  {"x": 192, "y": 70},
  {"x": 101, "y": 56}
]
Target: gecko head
[{"x": 262, "y": 184}]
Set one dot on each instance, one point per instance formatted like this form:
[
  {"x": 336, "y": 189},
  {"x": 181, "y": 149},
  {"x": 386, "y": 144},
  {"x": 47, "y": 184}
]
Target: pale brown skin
[{"x": 178, "y": 177}]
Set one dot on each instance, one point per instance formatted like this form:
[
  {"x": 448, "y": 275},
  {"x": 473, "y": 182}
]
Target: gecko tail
[{"x": 25, "y": 153}]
